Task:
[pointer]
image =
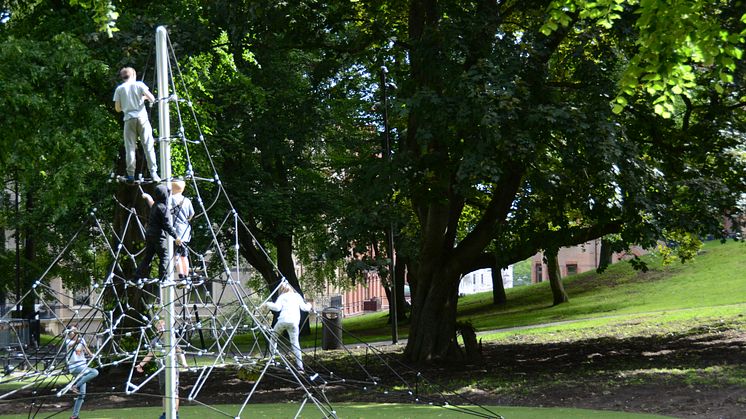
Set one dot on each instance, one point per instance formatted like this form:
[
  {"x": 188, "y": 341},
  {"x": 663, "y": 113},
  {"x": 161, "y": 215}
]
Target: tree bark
[
  {"x": 604, "y": 258},
  {"x": 472, "y": 348},
  {"x": 559, "y": 295},
  {"x": 432, "y": 336},
  {"x": 29, "y": 255},
  {"x": 498, "y": 288},
  {"x": 255, "y": 256},
  {"x": 2, "y": 250},
  {"x": 129, "y": 301},
  {"x": 401, "y": 302}
]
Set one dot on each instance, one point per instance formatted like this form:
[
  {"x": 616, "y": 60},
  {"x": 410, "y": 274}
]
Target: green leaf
[{"x": 726, "y": 77}]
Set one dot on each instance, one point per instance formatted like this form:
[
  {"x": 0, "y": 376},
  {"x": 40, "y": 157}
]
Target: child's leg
[
  {"x": 182, "y": 261},
  {"x": 185, "y": 265},
  {"x": 162, "y": 250},
  {"x": 143, "y": 269}
]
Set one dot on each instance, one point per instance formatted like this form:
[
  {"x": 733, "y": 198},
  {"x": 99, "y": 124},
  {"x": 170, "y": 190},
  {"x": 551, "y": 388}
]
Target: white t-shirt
[
  {"x": 289, "y": 305},
  {"x": 75, "y": 353},
  {"x": 130, "y": 97},
  {"x": 182, "y": 210}
]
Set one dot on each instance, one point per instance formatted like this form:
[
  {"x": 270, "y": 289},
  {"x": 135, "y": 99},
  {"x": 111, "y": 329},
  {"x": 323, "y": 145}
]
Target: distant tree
[{"x": 56, "y": 144}]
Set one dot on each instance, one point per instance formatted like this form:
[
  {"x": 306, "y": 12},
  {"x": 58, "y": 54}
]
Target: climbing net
[{"x": 219, "y": 326}]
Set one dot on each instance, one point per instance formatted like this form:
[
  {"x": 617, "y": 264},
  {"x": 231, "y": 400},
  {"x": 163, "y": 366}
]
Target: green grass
[
  {"x": 352, "y": 411},
  {"x": 711, "y": 286},
  {"x": 679, "y": 299},
  {"x": 38, "y": 381}
]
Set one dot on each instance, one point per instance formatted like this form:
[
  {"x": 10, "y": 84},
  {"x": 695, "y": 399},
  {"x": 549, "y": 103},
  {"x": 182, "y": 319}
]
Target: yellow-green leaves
[
  {"x": 675, "y": 40},
  {"x": 104, "y": 14}
]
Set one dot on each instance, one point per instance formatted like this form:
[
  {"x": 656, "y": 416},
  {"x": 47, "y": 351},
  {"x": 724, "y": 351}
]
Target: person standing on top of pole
[{"x": 129, "y": 98}]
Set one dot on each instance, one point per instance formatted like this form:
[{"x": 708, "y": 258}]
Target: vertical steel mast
[{"x": 167, "y": 291}]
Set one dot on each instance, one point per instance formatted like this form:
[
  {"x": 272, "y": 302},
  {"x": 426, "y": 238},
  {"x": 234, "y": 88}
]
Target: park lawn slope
[{"x": 712, "y": 285}]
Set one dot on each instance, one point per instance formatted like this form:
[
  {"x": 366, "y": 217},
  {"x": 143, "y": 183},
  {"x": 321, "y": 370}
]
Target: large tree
[
  {"x": 502, "y": 108},
  {"x": 285, "y": 120}
]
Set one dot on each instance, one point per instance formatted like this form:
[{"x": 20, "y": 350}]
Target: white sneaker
[{"x": 156, "y": 178}]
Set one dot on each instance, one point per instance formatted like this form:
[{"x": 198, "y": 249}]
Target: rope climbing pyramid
[
  {"x": 140, "y": 328},
  {"x": 125, "y": 318}
]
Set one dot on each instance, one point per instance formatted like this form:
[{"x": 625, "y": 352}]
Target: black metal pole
[{"x": 390, "y": 232}]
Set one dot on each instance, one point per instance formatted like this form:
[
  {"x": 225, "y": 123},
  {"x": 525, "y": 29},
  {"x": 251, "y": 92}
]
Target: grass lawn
[
  {"x": 711, "y": 286},
  {"x": 351, "y": 411},
  {"x": 634, "y": 336}
]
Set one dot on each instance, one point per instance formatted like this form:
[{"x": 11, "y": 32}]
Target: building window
[
  {"x": 572, "y": 268},
  {"x": 539, "y": 273}
]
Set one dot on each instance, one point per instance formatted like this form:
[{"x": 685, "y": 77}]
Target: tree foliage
[
  {"x": 515, "y": 126},
  {"x": 674, "y": 42}
]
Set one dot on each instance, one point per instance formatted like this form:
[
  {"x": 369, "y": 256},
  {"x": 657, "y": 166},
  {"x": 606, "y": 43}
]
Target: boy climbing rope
[
  {"x": 156, "y": 239},
  {"x": 77, "y": 351},
  {"x": 183, "y": 211},
  {"x": 289, "y": 303},
  {"x": 129, "y": 98}
]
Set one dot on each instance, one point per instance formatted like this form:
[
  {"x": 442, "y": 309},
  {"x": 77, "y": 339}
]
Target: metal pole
[
  {"x": 390, "y": 232},
  {"x": 237, "y": 247},
  {"x": 18, "y": 249},
  {"x": 167, "y": 292}
]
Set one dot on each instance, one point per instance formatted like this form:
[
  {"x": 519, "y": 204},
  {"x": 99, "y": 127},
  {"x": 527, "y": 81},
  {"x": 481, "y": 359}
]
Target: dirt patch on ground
[{"x": 695, "y": 374}]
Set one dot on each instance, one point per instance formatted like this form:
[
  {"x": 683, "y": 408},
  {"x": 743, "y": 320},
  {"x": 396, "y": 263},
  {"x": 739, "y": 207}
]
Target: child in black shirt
[{"x": 156, "y": 239}]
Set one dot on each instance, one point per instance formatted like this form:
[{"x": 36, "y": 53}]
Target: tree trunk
[
  {"x": 604, "y": 258},
  {"x": 472, "y": 348},
  {"x": 401, "y": 302},
  {"x": 255, "y": 256},
  {"x": 432, "y": 333},
  {"x": 498, "y": 288},
  {"x": 437, "y": 204},
  {"x": 2, "y": 250},
  {"x": 129, "y": 301},
  {"x": 559, "y": 295},
  {"x": 411, "y": 278},
  {"x": 387, "y": 291},
  {"x": 29, "y": 255}
]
